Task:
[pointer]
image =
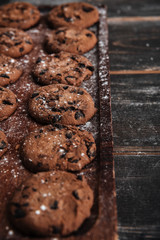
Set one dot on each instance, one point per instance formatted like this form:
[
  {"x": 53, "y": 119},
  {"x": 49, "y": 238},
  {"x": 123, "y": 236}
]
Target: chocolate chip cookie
[
  {"x": 8, "y": 103},
  {"x": 58, "y": 147},
  {"x": 65, "y": 68},
  {"x": 3, "y": 143},
  {"x": 9, "y": 70},
  {"x": 51, "y": 204},
  {"x": 61, "y": 103},
  {"x": 79, "y": 15},
  {"x": 19, "y": 15},
  {"x": 70, "y": 40},
  {"x": 15, "y": 42}
]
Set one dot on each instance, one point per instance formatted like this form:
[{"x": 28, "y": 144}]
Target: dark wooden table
[{"x": 134, "y": 42}]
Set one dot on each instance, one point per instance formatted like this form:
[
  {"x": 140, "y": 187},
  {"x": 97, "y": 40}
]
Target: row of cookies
[
  {"x": 24, "y": 15},
  {"x": 71, "y": 147}
]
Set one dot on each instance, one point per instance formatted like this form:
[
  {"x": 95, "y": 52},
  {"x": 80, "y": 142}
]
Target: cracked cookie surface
[
  {"x": 58, "y": 147},
  {"x": 52, "y": 203},
  {"x": 64, "y": 68},
  {"x": 14, "y": 42},
  {"x": 19, "y": 15},
  {"x": 8, "y": 103},
  {"x": 9, "y": 70},
  {"x": 79, "y": 15},
  {"x": 61, "y": 103},
  {"x": 70, "y": 40}
]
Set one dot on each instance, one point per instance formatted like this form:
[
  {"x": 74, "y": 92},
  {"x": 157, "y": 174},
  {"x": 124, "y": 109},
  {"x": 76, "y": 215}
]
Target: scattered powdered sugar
[
  {"x": 43, "y": 207},
  {"x": 37, "y": 212}
]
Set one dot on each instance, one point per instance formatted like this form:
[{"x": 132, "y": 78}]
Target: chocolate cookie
[
  {"x": 9, "y": 70},
  {"x": 8, "y": 103},
  {"x": 64, "y": 68},
  {"x": 50, "y": 204},
  {"x": 19, "y": 15},
  {"x": 79, "y": 15},
  {"x": 58, "y": 147},
  {"x": 3, "y": 143},
  {"x": 70, "y": 40},
  {"x": 15, "y": 42},
  {"x": 61, "y": 103}
]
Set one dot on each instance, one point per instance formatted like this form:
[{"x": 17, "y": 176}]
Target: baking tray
[{"x": 102, "y": 223}]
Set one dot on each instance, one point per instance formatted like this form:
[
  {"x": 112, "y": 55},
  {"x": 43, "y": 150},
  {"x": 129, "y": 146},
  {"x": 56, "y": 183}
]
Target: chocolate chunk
[
  {"x": 80, "y": 92},
  {"x": 81, "y": 65},
  {"x": 71, "y": 160},
  {"x": 39, "y": 164},
  {"x": 89, "y": 35},
  {"x": 17, "y": 43},
  {"x": 75, "y": 194},
  {"x": 59, "y": 126},
  {"x": 59, "y": 31},
  {"x": 77, "y": 70},
  {"x": 56, "y": 56},
  {"x": 79, "y": 177},
  {"x": 79, "y": 114},
  {"x": 68, "y": 19},
  {"x": 28, "y": 42},
  {"x": 69, "y": 135},
  {"x": 38, "y": 60},
  {"x": 1, "y": 89},
  {"x": 71, "y": 108},
  {"x": 3, "y": 145},
  {"x": 34, "y": 189},
  {"x": 21, "y": 49},
  {"x": 6, "y": 102},
  {"x": 90, "y": 68},
  {"x": 43, "y": 71},
  {"x": 56, "y": 118},
  {"x": 19, "y": 213},
  {"x": 65, "y": 87},
  {"x": 73, "y": 58},
  {"x": 87, "y": 9},
  {"x": 4, "y": 75},
  {"x": 54, "y": 206},
  {"x": 37, "y": 136},
  {"x": 34, "y": 95}
]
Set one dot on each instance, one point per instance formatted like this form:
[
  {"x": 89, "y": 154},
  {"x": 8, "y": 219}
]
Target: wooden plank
[
  {"x": 133, "y": 8},
  {"x": 134, "y": 47},
  {"x": 135, "y": 110},
  {"x": 137, "y": 182}
]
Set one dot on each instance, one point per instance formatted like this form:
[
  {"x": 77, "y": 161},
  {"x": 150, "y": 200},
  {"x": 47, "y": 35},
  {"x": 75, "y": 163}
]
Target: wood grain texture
[
  {"x": 136, "y": 110},
  {"x": 133, "y": 8},
  {"x": 135, "y": 46},
  {"x": 137, "y": 183}
]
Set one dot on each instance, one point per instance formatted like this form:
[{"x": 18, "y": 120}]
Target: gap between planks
[
  {"x": 119, "y": 20},
  {"x": 133, "y": 150}
]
